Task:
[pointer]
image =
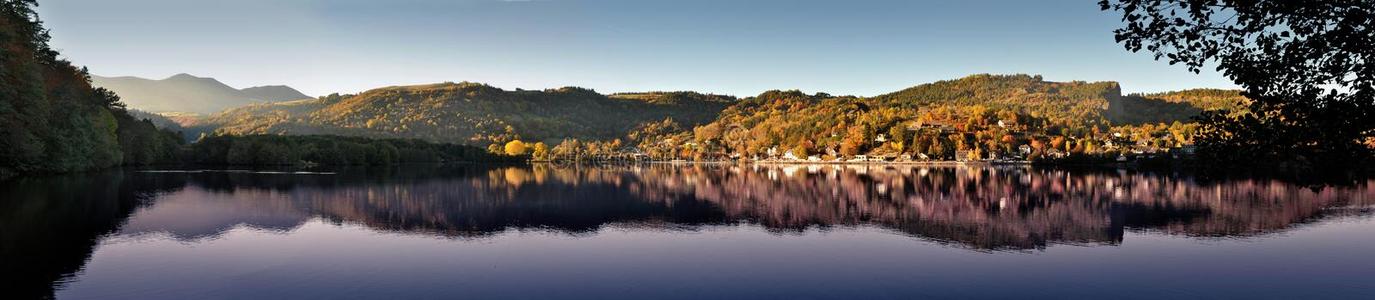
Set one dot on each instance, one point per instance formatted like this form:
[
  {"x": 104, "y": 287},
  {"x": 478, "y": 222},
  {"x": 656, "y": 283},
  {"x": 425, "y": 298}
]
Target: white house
[{"x": 790, "y": 156}]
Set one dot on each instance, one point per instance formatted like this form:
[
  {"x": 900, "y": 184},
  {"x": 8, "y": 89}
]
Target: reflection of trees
[
  {"x": 1001, "y": 207},
  {"x": 458, "y": 202},
  {"x": 978, "y": 207},
  {"x": 50, "y": 226}
]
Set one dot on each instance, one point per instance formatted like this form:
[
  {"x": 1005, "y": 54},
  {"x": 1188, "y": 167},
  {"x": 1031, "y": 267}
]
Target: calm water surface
[{"x": 663, "y": 232}]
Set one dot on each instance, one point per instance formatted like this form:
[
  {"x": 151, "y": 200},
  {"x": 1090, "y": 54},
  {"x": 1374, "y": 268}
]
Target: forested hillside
[
  {"x": 976, "y": 117},
  {"x": 51, "y": 119},
  {"x": 54, "y": 120},
  {"x": 1180, "y": 106},
  {"x": 1057, "y": 102},
  {"x": 470, "y": 113},
  {"x": 980, "y": 116}
]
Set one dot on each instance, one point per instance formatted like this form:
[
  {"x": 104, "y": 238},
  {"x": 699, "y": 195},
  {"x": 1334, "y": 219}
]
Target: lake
[{"x": 681, "y": 232}]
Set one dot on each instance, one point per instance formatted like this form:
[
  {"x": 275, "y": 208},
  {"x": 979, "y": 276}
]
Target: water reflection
[
  {"x": 50, "y": 226},
  {"x": 982, "y": 208}
]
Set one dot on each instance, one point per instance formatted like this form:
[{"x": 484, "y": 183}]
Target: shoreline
[
  {"x": 799, "y": 163},
  {"x": 916, "y": 163}
]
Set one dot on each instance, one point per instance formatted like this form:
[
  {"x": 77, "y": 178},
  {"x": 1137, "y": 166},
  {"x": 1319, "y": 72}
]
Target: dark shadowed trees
[
  {"x": 1304, "y": 63},
  {"x": 51, "y": 119}
]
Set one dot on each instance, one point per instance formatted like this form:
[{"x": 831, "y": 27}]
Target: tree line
[
  {"x": 980, "y": 117},
  {"x": 51, "y": 118}
]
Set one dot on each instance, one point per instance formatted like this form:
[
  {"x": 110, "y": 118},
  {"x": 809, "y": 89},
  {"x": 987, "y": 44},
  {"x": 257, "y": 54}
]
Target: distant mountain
[
  {"x": 274, "y": 93},
  {"x": 471, "y": 113},
  {"x": 187, "y": 93}
]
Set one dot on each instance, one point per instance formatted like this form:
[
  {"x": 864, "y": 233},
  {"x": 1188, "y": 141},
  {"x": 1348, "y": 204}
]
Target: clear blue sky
[{"x": 737, "y": 47}]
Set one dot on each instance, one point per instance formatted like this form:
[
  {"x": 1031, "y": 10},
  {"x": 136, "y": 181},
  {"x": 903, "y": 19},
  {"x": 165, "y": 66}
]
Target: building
[{"x": 790, "y": 156}]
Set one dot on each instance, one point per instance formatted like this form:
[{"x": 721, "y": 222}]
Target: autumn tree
[
  {"x": 849, "y": 147},
  {"x": 540, "y": 151},
  {"x": 515, "y": 148}
]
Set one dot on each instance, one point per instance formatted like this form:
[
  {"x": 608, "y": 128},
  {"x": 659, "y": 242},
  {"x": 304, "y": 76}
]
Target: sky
[{"x": 733, "y": 47}]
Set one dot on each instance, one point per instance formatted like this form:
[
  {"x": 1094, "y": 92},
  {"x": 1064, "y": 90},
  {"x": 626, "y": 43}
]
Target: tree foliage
[
  {"x": 471, "y": 113},
  {"x": 51, "y": 119},
  {"x": 515, "y": 148},
  {"x": 980, "y": 116},
  {"x": 1305, "y": 63}
]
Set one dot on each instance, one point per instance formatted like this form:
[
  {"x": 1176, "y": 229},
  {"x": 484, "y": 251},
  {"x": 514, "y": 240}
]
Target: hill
[
  {"x": 273, "y": 93},
  {"x": 1075, "y": 101},
  {"x": 994, "y": 114},
  {"x": 1175, "y": 106},
  {"x": 470, "y": 113},
  {"x": 187, "y": 93},
  {"x": 979, "y": 116}
]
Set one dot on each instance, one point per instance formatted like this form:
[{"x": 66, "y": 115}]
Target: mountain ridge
[
  {"x": 471, "y": 113},
  {"x": 480, "y": 114},
  {"x": 184, "y": 92}
]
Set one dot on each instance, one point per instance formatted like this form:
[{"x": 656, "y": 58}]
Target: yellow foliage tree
[
  {"x": 541, "y": 151},
  {"x": 515, "y": 147}
]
